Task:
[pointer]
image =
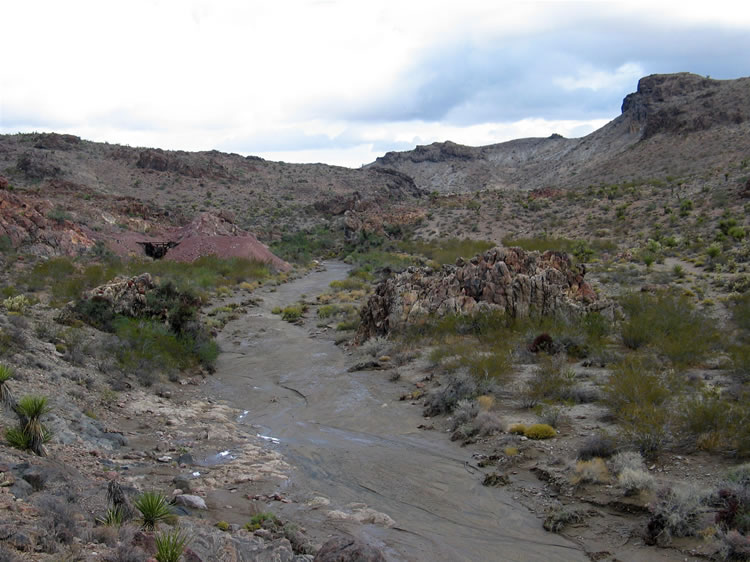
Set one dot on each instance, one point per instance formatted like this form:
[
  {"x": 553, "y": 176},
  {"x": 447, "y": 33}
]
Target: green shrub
[
  {"x": 540, "y": 431},
  {"x": 447, "y": 250},
  {"x": 294, "y": 312},
  {"x": 703, "y": 414},
  {"x": 223, "y": 525},
  {"x": 112, "y": 518},
  {"x": 154, "y": 509},
  {"x": 633, "y": 383},
  {"x": 262, "y": 520},
  {"x": 669, "y": 324},
  {"x": 170, "y": 545},
  {"x": 350, "y": 284}
]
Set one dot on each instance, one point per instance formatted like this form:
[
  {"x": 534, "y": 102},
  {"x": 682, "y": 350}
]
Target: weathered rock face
[
  {"x": 348, "y": 549},
  {"x": 509, "y": 280},
  {"x": 25, "y": 222}
]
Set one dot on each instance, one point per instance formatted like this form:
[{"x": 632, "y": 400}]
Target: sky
[{"x": 344, "y": 81}]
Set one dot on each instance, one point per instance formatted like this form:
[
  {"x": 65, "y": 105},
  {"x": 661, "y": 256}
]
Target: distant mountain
[{"x": 674, "y": 124}]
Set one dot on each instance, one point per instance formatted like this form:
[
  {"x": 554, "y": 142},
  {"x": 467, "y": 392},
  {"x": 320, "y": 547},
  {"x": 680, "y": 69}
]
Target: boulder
[
  {"x": 509, "y": 280},
  {"x": 193, "y": 502},
  {"x": 348, "y": 549}
]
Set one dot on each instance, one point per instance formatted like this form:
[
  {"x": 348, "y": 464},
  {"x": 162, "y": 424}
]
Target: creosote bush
[{"x": 671, "y": 325}]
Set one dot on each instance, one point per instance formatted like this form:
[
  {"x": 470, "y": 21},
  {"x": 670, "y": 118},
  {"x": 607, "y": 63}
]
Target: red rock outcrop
[{"x": 25, "y": 221}]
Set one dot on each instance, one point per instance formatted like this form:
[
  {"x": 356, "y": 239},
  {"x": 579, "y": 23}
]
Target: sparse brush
[
  {"x": 445, "y": 399},
  {"x": 632, "y": 460},
  {"x": 634, "y": 480},
  {"x": 376, "y": 347},
  {"x": 675, "y": 513},
  {"x": 598, "y": 445},
  {"x": 594, "y": 471},
  {"x": 552, "y": 416},
  {"x": 465, "y": 412},
  {"x": 488, "y": 423},
  {"x": 557, "y": 519},
  {"x": 170, "y": 545},
  {"x": 154, "y": 509}
]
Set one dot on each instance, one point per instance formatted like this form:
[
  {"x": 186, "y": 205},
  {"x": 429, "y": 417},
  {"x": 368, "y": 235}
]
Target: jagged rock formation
[
  {"x": 510, "y": 280},
  {"x": 668, "y": 117}
]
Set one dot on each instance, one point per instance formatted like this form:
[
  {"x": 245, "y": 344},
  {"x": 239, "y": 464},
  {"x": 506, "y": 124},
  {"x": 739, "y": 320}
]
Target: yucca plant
[
  {"x": 113, "y": 517},
  {"x": 154, "y": 509},
  {"x": 6, "y": 396},
  {"x": 170, "y": 545},
  {"x": 29, "y": 410}
]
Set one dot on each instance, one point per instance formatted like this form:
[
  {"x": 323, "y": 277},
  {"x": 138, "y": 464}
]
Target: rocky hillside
[
  {"x": 266, "y": 197},
  {"x": 673, "y": 124}
]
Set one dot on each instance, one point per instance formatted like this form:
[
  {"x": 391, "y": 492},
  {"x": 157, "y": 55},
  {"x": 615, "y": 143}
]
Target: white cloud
[{"x": 203, "y": 74}]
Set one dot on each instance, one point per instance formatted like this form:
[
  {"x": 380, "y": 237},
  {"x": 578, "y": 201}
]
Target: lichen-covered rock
[{"x": 508, "y": 280}]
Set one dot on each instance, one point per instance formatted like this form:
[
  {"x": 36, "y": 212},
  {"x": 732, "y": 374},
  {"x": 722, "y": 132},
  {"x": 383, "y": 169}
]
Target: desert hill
[{"x": 673, "y": 124}]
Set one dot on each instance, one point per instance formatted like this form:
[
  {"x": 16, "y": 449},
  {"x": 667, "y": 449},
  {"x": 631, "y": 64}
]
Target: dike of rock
[{"x": 509, "y": 280}]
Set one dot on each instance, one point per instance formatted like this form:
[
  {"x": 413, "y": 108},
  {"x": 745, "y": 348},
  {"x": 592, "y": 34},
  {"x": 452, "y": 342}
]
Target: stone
[
  {"x": 36, "y": 477},
  {"x": 348, "y": 549},
  {"x": 193, "y": 502},
  {"x": 507, "y": 280}
]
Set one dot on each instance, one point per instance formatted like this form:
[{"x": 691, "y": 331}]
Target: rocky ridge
[
  {"x": 509, "y": 280},
  {"x": 669, "y": 115}
]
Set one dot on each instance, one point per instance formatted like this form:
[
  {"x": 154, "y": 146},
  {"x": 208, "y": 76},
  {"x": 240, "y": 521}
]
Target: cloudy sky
[{"x": 343, "y": 81}]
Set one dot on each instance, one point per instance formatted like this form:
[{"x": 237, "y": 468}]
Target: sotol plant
[
  {"x": 170, "y": 545},
  {"x": 154, "y": 509},
  {"x": 6, "y": 396},
  {"x": 31, "y": 433}
]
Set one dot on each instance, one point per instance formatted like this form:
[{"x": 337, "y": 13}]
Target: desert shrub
[
  {"x": 703, "y": 414},
  {"x": 349, "y": 284},
  {"x": 303, "y": 246},
  {"x": 671, "y": 325},
  {"x": 446, "y": 250},
  {"x": 733, "y": 500},
  {"x": 263, "y": 520},
  {"x": 464, "y": 412},
  {"x": 598, "y": 445},
  {"x": 733, "y": 545},
  {"x": 223, "y": 525},
  {"x": 154, "y": 509},
  {"x": 558, "y": 518},
  {"x": 675, "y": 513},
  {"x": 376, "y": 347},
  {"x": 627, "y": 459},
  {"x": 517, "y": 429},
  {"x": 170, "y": 545},
  {"x": 485, "y": 402},
  {"x": 592, "y": 471},
  {"x": 645, "y": 426},
  {"x": 552, "y": 416},
  {"x": 632, "y": 383},
  {"x": 293, "y": 312},
  {"x": 540, "y": 431},
  {"x": 325, "y": 311},
  {"x": 113, "y": 517},
  {"x": 488, "y": 423},
  {"x": 445, "y": 399},
  {"x": 551, "y": 380},
  {"x": 634, "y": 480}
]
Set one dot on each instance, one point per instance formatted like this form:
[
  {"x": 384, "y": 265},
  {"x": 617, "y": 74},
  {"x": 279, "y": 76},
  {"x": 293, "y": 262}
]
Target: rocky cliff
[{"x": 508, "y": 280}]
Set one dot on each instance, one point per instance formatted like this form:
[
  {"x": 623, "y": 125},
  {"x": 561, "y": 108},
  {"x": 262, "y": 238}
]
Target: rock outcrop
[
  {"x": 509, "y": 280},
  {"x": 26, "y": 222},
  {"x": 348, "y": 549}
]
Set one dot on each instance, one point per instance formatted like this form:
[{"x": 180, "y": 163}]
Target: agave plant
[
  {"x": 154, "y": 509},
  {"x": 6, "y": 396},
  {"x": 29, "y": 410}
]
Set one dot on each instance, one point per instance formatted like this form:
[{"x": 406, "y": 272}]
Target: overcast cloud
[{"x": 344, "y": 81}]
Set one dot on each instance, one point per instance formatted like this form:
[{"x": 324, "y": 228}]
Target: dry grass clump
[
  {"x": 594, "y": 471},
  {"x": 376, "y": 347},
  {"x": 597, "y": 445},
  {"x": 540, "y": 431},
  {"x": 464, "y": 412},
  {"x": 486, "y": 402},
  {"x": 517, "y": 429},
  {"x": 445, "y": 399},
  {"x": 559, "y": 518},
  {"x": 488, "y": 423}
]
